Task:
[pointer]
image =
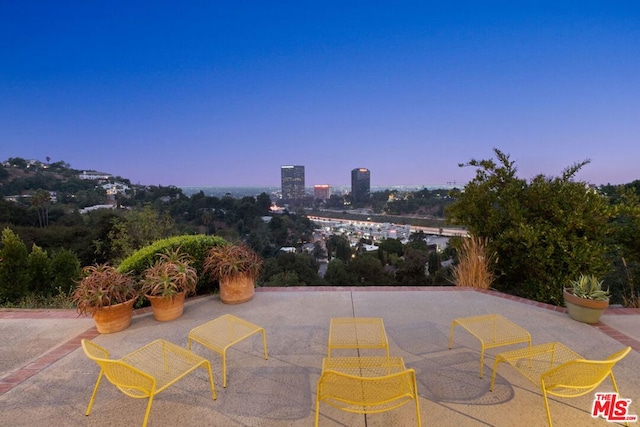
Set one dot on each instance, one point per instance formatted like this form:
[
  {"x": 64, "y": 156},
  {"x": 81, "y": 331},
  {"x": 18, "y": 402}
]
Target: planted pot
[
  {"x": 235, "y": 267},
  {"x": 114, "y": 318},
  {"x": 167, "y": 308},
  {"x": 167, "y": 282},
  {"x": 583, "y": 309},
  {"x": 107, "y": 295},
  {"x": 237, "y": 289}
]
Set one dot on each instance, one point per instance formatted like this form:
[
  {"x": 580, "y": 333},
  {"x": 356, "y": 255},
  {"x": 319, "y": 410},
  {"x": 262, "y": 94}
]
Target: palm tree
[{"x": 40, "y": 201}]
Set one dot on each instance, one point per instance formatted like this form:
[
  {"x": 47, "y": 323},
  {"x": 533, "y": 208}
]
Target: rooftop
[{"x": 45, "y": 379}]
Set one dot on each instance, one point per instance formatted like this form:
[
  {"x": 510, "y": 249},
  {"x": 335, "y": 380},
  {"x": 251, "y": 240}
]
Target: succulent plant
[
  {"x": 589, "y": 287},
  {"x": 102, "y": 285},
  {"x": 171, "y": 274},
  {"x": 227, "y": 261}
]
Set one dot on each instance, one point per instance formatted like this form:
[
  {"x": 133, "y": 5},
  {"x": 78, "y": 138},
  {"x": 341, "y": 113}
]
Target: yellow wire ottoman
[
  {"x": 221, "y": 333},
  {"x": 493, "y": 330}
]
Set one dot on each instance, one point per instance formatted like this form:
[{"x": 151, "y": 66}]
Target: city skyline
[{"x": 223, "y": 94}]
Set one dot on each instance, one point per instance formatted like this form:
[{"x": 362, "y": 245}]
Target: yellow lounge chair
[
  {"x": 147, "y": 371},
  {"x": 560, "y": 371}
]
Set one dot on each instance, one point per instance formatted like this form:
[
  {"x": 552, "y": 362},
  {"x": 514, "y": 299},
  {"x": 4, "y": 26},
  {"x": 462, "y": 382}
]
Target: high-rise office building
[
  {"x": 292, "y": 179},
  {"x": 360, "y": 184},
  {"x": 322, "y": 191}
]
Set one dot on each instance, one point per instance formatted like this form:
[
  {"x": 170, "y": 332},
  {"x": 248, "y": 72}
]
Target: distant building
[
  {"x": 322, "y": 191},
  {"x": 360, "y": 184},
  {"x": 115, "y": 188},
  {"x": 292, "y": 178},
  {"x": 94, "y": 175}
]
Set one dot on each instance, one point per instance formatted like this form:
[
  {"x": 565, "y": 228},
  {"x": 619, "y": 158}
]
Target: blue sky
[{"x": 224, "y": 93}]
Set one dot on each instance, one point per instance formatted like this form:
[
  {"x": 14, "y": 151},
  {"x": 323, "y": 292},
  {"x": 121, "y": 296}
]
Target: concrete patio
[{"x": 45, "y": 379}]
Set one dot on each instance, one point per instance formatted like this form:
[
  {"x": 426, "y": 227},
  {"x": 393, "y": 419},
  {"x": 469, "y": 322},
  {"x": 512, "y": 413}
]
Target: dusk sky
[{"x": 225, "y": 93}]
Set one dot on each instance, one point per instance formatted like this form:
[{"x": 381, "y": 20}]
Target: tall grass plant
[{"x": 475, "y": 260}]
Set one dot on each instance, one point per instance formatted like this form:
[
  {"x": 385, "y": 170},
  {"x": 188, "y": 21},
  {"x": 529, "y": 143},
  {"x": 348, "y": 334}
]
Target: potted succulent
[
  {"x": 236, "y": 268},
  {"x": 108, "y": 295},
  {"x": 167, "y": 282},
  {"x": 585, "y": 299}
]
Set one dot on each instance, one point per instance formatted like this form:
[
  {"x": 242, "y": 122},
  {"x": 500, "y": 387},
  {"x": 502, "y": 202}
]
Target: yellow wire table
[
  {"x": 146, "y": 371},
  {"x": 366, "y": 385},
  {"x": 493, "y": 330},
  {"x": 357, "y": 332},
  {"x": 221, "y": 333}
]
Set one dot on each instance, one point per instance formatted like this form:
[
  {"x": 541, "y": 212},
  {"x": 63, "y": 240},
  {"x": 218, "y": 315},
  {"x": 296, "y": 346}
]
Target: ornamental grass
[{"x": 474, "y": 264}]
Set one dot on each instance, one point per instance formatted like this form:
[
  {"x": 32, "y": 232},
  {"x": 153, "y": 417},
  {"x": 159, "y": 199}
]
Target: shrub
[
  {"x": 40, "y": 277},
  {"x": 196, "y": 246},
  {"x": 14, "y": 272},
  {"x": 66, "y": 271}
]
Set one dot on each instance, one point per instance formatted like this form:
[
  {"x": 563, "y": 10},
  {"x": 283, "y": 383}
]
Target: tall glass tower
[
  {"x": 360, "y": 184},
  {"x": 292, "y": 179}
]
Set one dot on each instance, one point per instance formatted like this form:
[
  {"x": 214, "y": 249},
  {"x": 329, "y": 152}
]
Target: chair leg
[
  {"x": 264, "y": 344},
  {"x": 146, "y": 414},
  {"x": 207, "y": 366},
  {"x": 317, "y": 411},
  {"x": 546, "y": 402},
  {"x": 482, "y": 362},
  {"x": 95, "y": 390},
  {"x": 415, "y": 395}
]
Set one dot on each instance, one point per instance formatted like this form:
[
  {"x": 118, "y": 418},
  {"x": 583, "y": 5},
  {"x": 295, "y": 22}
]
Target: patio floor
[{"x": 45, "y": 379}]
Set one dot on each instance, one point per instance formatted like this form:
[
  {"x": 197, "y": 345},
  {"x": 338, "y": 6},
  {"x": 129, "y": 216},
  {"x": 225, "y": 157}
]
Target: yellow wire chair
[
  {"x": 146, "y": 371},
  {"x": 382, "y": 385},
  {"x": 559, "y": 371}
]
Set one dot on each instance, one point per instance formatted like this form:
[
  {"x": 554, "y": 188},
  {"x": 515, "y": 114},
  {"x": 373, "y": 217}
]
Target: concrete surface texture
[{"x": 45, "y": 378}]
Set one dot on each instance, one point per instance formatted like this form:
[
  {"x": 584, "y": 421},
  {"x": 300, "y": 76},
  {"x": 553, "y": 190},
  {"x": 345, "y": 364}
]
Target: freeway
[{"x": 449, "y": 232}]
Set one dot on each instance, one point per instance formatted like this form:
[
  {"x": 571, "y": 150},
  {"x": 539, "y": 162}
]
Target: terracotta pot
[
  {"x": 167, "y": 308},
  {"x": 237, "y": 289},
  {"x": 582, "y": 309},
  {"x": 114, "y": 318}
]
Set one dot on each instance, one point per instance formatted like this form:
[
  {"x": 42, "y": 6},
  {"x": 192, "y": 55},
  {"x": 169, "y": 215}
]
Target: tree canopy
[{"x": 545, "y": 232}]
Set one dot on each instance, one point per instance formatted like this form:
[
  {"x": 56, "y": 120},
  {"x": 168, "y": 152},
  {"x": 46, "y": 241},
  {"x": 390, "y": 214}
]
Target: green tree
[
  {"x": 66, "y": 270},
  {"x": 40, "y": 277},
  {"x": 139, "y": 228},
  {"x": 368, "y": 270},
  {"x": 413, "y": 270},
  {"x": 40, "y": 201},
  {"x": 339, "y": 247},
  {"x": 14, "y": 268},
  {"x": 545, "y": 232},
  {"x": 337, "y": 274},
  {"x": 304, "y": 266},
  {"x": 318, "y": 251}
]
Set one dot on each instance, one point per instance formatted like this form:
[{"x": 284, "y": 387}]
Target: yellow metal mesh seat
[
  {"x": 146, "y": 371},
  {"x": 493, "y": 330},
  {"x": 223, "y": 332},
  {"x": 366, "y": 385},
  {"x": 559, "y": 371}
]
